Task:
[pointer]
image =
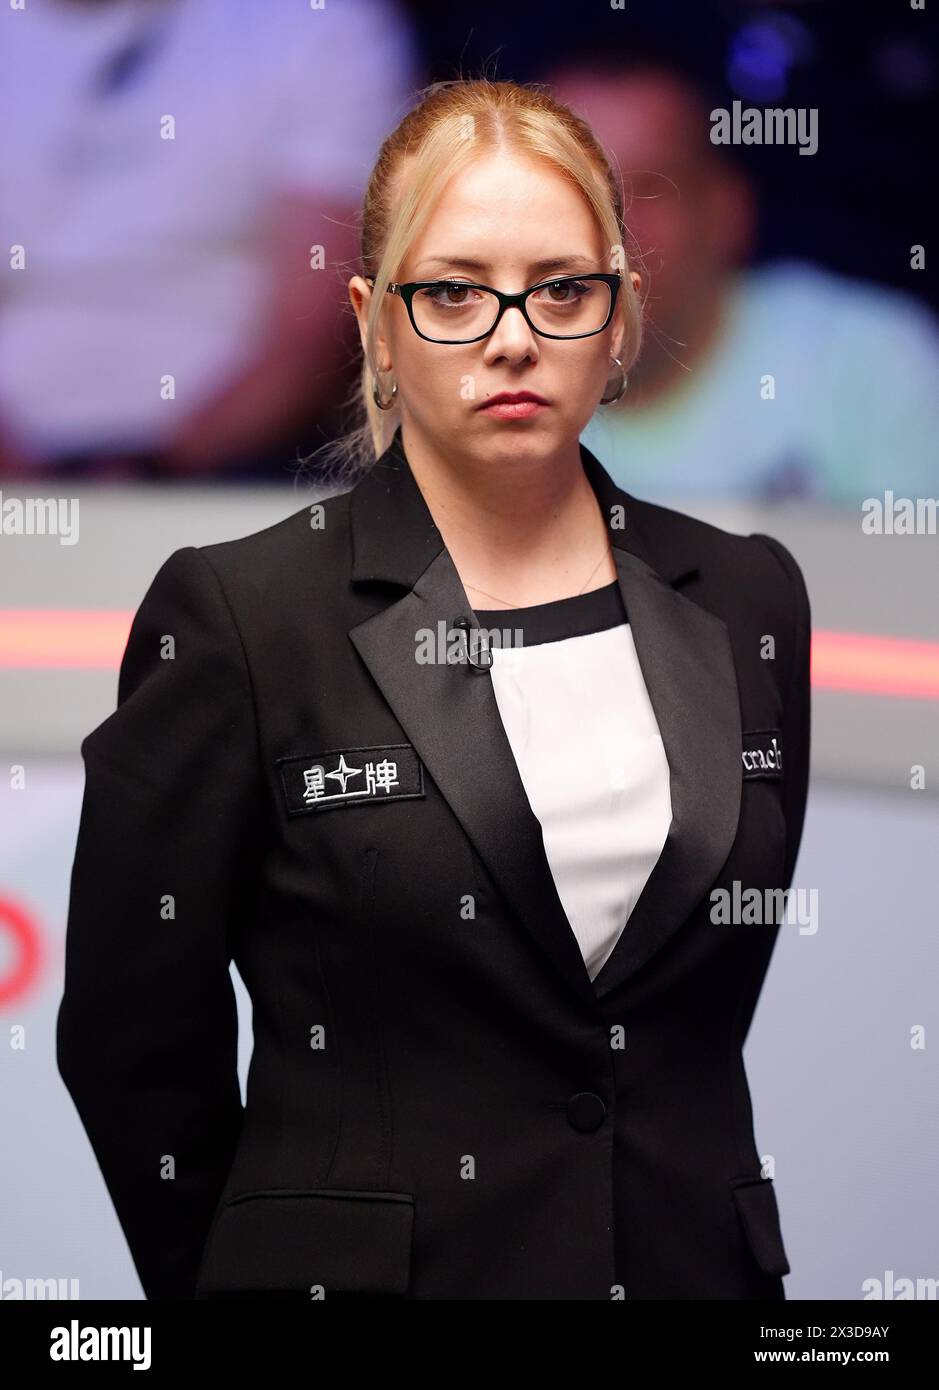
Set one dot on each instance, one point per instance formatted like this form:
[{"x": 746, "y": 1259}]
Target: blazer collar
[{"x": 450, "y": 715}]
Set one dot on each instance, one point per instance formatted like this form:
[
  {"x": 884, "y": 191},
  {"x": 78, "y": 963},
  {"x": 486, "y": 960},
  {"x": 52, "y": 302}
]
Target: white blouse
[{"x": 589, "y": 753}]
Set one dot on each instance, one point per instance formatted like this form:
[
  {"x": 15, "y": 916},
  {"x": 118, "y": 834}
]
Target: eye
[
  {"x": 448, "y": 294},
  {"x": 564, "y": 291}
]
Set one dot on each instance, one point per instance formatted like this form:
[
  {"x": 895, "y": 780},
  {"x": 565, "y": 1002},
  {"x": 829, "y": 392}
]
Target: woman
[{"x": 470, "y": 887}]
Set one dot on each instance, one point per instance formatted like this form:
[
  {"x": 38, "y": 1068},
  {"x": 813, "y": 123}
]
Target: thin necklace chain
[{"x": 476, "y": 589}]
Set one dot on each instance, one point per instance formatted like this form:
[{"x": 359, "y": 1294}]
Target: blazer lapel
[
  {"x": 450, "y": 715},
  {"x": 687, "y": 664}
]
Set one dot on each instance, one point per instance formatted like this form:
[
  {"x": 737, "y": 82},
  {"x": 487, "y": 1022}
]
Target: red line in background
[
  {"x": 900, "y": 666},
  {"x": 63, "y": 638},
  {"x": 94, "y": 639}
]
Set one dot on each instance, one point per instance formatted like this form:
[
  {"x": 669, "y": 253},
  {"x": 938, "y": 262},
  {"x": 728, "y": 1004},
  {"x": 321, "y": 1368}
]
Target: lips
[
  {"x": 508, "y": 410},
  {"x": 512, "y": 398}
]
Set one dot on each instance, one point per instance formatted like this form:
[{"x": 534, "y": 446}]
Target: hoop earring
[
  {"x": 610, "y": 400},
  {"x": 376, "y": 397}
]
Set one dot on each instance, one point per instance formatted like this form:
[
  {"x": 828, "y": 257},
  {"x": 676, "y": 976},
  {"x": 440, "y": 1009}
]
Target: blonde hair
[{"x": 453, "y": 124}]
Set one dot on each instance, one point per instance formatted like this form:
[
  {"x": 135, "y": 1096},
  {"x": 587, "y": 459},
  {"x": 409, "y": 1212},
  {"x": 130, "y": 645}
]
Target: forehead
[{"x": 509, "y": 210}]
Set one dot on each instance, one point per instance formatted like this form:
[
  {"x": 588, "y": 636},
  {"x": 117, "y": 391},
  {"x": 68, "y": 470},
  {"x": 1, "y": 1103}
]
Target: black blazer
[{"x": 440, "y": 1103}]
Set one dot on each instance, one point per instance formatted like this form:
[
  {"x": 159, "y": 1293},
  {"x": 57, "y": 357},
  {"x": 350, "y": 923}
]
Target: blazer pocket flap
[
  {"x": 291, "y": 1241},
  {"x": 756, "y": 1204}
]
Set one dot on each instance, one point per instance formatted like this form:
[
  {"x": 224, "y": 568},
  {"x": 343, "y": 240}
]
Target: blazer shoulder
[
  {"x": 756, "y": 567},
  {"x": 263, "y": 558}
]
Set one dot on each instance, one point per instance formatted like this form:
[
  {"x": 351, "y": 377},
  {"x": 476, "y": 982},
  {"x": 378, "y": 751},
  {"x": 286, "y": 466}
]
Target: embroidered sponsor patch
[
  {"x": 762, "y": 754},
  {"x": 348, "y": 776}
]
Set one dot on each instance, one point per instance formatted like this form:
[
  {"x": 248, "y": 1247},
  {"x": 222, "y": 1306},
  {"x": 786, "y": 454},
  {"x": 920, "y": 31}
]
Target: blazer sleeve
[
  {"x": 797, "y": 708},
  {"x": 147, "y": 1031}
]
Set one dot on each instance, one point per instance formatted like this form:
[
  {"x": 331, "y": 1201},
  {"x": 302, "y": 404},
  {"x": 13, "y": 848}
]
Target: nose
[{"x": 512, "y": 338}]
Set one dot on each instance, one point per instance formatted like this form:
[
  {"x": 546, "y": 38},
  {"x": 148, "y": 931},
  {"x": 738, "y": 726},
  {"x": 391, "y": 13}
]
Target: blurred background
[{"x": 180, "y": 186}]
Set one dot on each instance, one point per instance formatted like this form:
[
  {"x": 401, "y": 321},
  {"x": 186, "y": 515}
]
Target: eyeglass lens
[{"x": 453, "y": 312}]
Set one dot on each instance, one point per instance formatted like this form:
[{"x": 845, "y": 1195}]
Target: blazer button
[{"x": 585, "y": 1111}]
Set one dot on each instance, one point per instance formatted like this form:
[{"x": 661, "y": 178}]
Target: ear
[
  {"x": 619, "y": 329},
  {"x": 360, "y": 297}
]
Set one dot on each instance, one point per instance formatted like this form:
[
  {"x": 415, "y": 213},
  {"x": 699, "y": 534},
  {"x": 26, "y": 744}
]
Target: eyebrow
[{"x": 483, "y": 267}]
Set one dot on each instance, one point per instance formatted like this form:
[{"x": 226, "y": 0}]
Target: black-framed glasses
[{"x": 459, "y": 311}]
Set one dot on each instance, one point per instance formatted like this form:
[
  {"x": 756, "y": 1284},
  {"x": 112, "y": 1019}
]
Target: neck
[{"x": 527, "y": 532}]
